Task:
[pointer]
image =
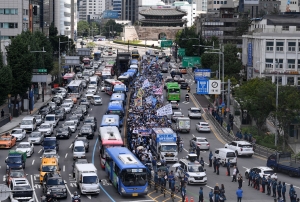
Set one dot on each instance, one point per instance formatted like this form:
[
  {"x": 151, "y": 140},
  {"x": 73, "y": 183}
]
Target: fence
[{"x": 222, "y": 132}]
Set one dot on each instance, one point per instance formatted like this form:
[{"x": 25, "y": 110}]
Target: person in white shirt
[{"x": 234, "y": 174}]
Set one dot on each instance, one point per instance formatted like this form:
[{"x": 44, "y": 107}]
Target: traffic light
[{"x": 35, "y": 9}]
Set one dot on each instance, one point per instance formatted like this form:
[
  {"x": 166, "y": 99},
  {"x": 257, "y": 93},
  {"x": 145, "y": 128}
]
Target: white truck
[
  {"x": 52, "y": 119},
  {"x": 183, "y": 124},
  {"x": 164, "y": 143},
  {"x": 86, "y": 177}
]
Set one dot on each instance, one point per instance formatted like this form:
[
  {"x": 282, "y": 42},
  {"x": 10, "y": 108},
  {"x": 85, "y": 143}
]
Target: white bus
[{"x": 75, "y": 88}]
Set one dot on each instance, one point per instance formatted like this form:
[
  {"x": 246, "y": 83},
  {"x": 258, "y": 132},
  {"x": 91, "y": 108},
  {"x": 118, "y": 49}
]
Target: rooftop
[{"x": 163, "y": 11}]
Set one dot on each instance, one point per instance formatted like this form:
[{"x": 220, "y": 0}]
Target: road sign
[
  {"x": 181, "y": 52},
  {"x": 39, "y": 71},
  {"x": 203, "y": 86},
  {"x": 4, "y": 192},
  {"x": 198, "y": 73},
  {"x": 166, "y": 43},
  {"x": 214, "y": 87},
  {"x": 190, "y": 61}
]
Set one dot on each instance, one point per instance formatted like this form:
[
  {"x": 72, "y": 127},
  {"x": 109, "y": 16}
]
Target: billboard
[
  {"x": 109, "y": 14},
  {"x": 249, "y": 63},
  {"x": 251, "y": 1}
]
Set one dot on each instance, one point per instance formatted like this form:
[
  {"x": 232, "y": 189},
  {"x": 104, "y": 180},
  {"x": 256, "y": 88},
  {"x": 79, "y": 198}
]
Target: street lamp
[
  {"x": 59, "y": 66},
  {"x": 276, "y": 135}
]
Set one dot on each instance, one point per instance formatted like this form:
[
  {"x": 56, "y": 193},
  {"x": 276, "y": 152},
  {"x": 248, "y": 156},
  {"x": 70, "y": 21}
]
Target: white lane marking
[
  {"x": 64, "y": 168},
  {"x": 71, "y": 146},
  {"x": 68, "y": 188},
  {"x": 66, "y": 155},
  {"x": 32, "y": 161},
  {"x": 91, "y": 109},
  {"x": 34, "y": 177},
  {"x": 185, "y": 150},
  {"x": 32, "y": 185},
  {"x": 245, "y": 168},
  {"x": 193, "y": 135},
  {"x": 4, "y": 178},
  {"x": 89, "y": 196},
  {"x": 40, "y": 150},
  {"x": 209, "y": 187}
]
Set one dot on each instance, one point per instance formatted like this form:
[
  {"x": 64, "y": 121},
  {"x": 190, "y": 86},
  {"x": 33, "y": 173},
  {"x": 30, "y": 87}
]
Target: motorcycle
[{"x": 76, "y": 198}]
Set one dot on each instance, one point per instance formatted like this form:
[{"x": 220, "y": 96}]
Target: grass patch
[{"x": 134, "y": 44}]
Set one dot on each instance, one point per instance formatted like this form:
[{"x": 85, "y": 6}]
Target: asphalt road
[{"x": 109, "y": 193}]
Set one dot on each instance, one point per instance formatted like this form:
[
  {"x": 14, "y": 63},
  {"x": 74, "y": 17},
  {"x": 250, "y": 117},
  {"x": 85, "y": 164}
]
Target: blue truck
[
  {"x": 15, "y": 159},
  {"x": 51, "y": 143},
  {"x": 283, "y": 162}
]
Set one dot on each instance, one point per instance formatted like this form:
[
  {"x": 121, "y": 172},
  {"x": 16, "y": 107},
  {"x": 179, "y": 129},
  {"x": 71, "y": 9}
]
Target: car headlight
[
  {"x": 122, "y": 190},
  {"x": 64, "y": 190}
]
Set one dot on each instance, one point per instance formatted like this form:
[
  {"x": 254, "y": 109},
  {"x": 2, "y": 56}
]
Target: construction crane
[{"x": 287, "y": 9}]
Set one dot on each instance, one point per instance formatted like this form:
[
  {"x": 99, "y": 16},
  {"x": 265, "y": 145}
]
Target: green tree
[
  {"x": 288, "y": 110},
  {"x": 21, "y": 62},
  {"x": 255, "y": 96},
  {"x": 5, "y": 81},
  {"x": 95, "y": 28},
  {"x": 243, "y": 25},
  {"x": 111, "y": 28},
  {"x": 83, "y": 28}
]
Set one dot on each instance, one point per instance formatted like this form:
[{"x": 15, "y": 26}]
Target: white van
[
  {"x": 28, "y": 123},
  {"x": 52, "y": 119},
  {"x": 224, "y": 154},
  {"x": 94, "y": 80},
  {"x": 79, "y": 150},
  {"x": 134, "y": 67}
]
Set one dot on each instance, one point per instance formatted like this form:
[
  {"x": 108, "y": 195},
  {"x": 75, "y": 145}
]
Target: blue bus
[
  {"x": 120, "y": 88},
  {"x": 126, "y": 172},
  {"x": 110, "y": 120},
  {"x": 118, "y": 97},
  {"x": 134, "y": 62},
  {"x": 116, "y": 107},
  {"x": 134, "y": 71},
  {"x": 126, "y": 78}
]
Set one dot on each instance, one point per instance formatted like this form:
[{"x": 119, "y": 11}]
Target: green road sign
[
  {"x": 166, "y": 43},
  {"x": 42, "y": 70},
  {"x": 39, "y": 71},
  {"x": 190, "y": 61},
  {"x": 181, "y": 51}
]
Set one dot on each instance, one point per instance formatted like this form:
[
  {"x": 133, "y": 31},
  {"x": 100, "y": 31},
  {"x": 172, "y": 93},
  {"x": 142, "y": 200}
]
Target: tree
[
  {"x": 83, "y": 28},
  {"x": 243, "y": 25},
  {"x": 21, "y": 62},
  {"x": 288, "y": 110},
  {"x": 111, "y": 28},
  {"x": 255, "y": 96},
  {"x": 184, "y": 40},
  {"x": 5, "y": 81},
  {"x": 53, "y": 30}
]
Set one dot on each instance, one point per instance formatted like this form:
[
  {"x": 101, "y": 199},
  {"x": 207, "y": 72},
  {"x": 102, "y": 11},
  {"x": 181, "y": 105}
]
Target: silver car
[
  {"x": 194, "y": 112},
  {"x": 67, "y": 107},
  {"x": 72, "y": 125},
  {"x": 39, "y": 119},
  {"x": 96, "y": 100},
  {"x": 36, "y": 138}
]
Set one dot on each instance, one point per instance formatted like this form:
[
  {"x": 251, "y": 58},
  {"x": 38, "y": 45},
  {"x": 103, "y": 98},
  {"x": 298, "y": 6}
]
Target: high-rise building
[
  {"x": 130, "y": 10},
  {"x": 117, "y": 6},
  {"x": 91, "y": 10}
]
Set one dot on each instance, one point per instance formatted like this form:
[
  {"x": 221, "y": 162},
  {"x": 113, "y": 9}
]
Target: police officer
[
  {"x": 170, "y": 177},
  {"x": 269, "y": 185},
  {"x": 263, "y": 183},
  {"x": 283, "y": 191},
  {"x": 250, "y": 178},
  {"x": 279, "y": 188},
  {"x": 274, "y": 185},
  {"x": 215, "y": 164},
  {"x": 201, "y": 197},
  {"x": 211, "y": 195},
  {"x": 198, "y": 152},
  {"x": 291, "y": 191},
  {"x": 228, "y": 167},
  {"x": 257, "y": 179},
  {"x": 202, "y": 162},
  {"x": 210, "y": 158}
]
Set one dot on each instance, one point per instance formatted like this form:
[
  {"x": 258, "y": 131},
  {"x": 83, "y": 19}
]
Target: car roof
[
  {"x": 78, "y": 143},
  {"x": 202, "y": 138},
  {"x": 242, "y": 142},
  {"x": 264, "y": 168},
  {"x": 203, "y": 122},
  {"x": 24, "y": 143},
  {"x": 195, "y": 108}
]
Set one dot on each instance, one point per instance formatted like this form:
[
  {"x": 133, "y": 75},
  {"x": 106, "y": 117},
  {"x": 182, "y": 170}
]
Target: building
[
  {"x": 271, "y": 49},
  {"x": 162, "y": 16},
  {"x": 257, "y": 9},
  {"x": 130, "y": 10},
  {"x": 190, "y": 10},
  {"x": 146, "y": 4},
  {"x": 117, "y": 6},
  {"x": 91, "y": 10},
  {"x": 14, "y": 18}
]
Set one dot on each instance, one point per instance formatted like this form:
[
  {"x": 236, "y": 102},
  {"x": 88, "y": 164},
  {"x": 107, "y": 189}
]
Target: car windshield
[
  {"x": 131, "y": 177},
  {"x": 50, "y": 118},
  {"x": 44, "y": 126},
  {"x": 169, "y": 148},
  {"x": 34, "y": 134},
  {"x": 16, "y": 132},
  {"x": 15, "y": 174},
  {"x": 85, "y": 128},
  {"x": 90, "y": 180},
  {"x": 26, "y": 122},
  {"x": 5, "y": 138},
  {"x": 195, "y": 111},
  {"x": 49, "y": 143},
  {"x": 195, "y": 168},
  {"x": 23, "y": 187},
  {"x": 62, "y": 129},
  {"x": 55, "y": 182},
  {"x": 69, "y": 124},
  {"x": 230, "y": 154},
  {"x": 201, "y": 140},
  {"x": 24, "y": 146},
  {"x": 49, "y": 168},
  {"x": 79, "y": 149},
  {"x": 177, "y": 113},
  {"x": 204, "y": 124},
  {"x": 97, "y": 98}
]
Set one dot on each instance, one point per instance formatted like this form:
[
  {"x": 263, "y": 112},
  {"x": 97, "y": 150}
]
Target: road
[{"x": 108, "y": 193}]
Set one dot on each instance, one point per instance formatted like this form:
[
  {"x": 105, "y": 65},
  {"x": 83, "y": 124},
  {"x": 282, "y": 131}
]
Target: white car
[
  {"x": 53, "y": 105},
  {"x": 19, "y": 133},
  {"x": 202, "y": 127},
  {"x": 96, "y": 100},
  {"x": 200, "y": 142},
  {"x": 62, "y": 93},
  {"x": 26, "y": 147},
  {"x": 72, "y": 125},
  {"x": 194, "y": 112},
  {"x": 175, "y": 115},
  {"x": 262, "y": 171},
  {"x": 38, "y": 118},
  {"x": 91, "y": 89},
  {"x": 241, "y": 148},
  {"x": 46, "y": 129},
  {"x": 69, "y": 101},
  {"x": 67, "y": 107}
]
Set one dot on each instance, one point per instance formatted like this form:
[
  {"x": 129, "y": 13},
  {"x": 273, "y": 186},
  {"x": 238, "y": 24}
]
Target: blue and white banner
[{"x": 146, "y": 84}]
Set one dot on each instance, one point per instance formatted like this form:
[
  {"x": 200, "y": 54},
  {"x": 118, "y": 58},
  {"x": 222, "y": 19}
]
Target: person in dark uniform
[
  {"x": 283, "y": 191},
  {"x": 201, "y": 197},
  {"x": 198, "y": 152},
  {"x": 250, "y": 178},
  {"x": 274, "y": 185},
  {"x": 228, "y": 167},
  {"x": 210, "y": 158},
  {"x": 279, "y": 188},
  {"x": 269, "y": 186},
  {"x": 215, "y": 164},
  {"x": 263, "y": 184},
  {"x": 218, "y": 166}
]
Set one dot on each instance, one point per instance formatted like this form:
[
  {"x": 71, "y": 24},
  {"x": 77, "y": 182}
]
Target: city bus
[
  {"x": 111, "y": 65},
  {"x": 109, "y": 85},
  {"x": 68, "y": 77},
  {"x": 109, "y": 136},
  {"x": 86, "y": 63},
  {"x": 135, "y": 54},
  {"x": 75, "y": 88},
  {"x": 127, "y": 174},
  {"x": 116, "y": 107},
  {"x": 110, "y": 120},
  {"x": 125, "y": 78},
  {"x": 118, "y": 97},
  {"x": 120, "y": 88},
  {"x": 173, "y": 91},
  {"x": 97, "y": 56}
]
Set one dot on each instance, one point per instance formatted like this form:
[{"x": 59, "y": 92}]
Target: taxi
[
  {"x": 7, "y": 141},
  {"x": 48, "y": 165},
  {"x": 183, "y": 70}
]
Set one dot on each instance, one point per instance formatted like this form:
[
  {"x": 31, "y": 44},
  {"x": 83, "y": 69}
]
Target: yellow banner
[
  {"x": 138, "y": 102},
  {"x": 140, "y": 93}
]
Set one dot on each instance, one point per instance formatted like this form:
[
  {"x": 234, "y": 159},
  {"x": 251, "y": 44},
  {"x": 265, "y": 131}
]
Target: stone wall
[{"x": 151, "y": 33}]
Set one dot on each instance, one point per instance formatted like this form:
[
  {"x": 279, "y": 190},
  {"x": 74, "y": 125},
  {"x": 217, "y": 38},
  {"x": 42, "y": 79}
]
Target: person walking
[
  {"x": 228, "y": 167},
  {"x": 283, "y": 191},
  {"x": 234, "y": 174},
  {"x": 279, "y": 188},
  {"x": 210, "y": 158},
  {"x": 269, "y": 185},
  {"x": 201, "y": 197},
  {"x": 198, "y": 152},
  {"x": 211, "y": 195},
  {"x": 2, "y": 113},
  {"x": 218, "y": 166},
  {"x": 183, "y": 192},
  {"x": 239, "y": 194},
  {"x": 240, "y": 180}
]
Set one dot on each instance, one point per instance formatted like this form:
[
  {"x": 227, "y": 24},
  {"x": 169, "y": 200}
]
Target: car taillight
[
  {"x": 207, "y": 144},
  {"x": 199, "y": 144},
  {"x": 241, "y": 149}
]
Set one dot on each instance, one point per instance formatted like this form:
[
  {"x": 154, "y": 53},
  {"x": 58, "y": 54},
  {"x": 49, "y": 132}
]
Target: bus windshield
[
  {"x": 73, "y": 89},
  {"x": 174, "y": 90},
  {"x": 133, "y": 177}
]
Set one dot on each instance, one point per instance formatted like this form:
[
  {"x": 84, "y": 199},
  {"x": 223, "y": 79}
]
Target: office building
[
  {"x": 90, "y": 10},
  {"x": 130, "y": 10}
]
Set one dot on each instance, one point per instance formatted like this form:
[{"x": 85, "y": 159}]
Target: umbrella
[{"x": 176, "y": 165}]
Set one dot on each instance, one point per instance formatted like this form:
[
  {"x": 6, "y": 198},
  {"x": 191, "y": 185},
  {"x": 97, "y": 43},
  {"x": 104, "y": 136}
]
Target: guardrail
[{"x": 223, "y": 133}]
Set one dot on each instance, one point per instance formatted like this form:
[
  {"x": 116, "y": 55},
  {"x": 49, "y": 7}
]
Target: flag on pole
[{"x": 146, "y": 84}]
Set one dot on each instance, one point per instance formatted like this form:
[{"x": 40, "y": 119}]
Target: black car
[
  {"x": 79, "y": 114},
  {"x": 74, "y": 118},
  {"x": 85, "y": 101},
  {"x": 60, "y": 113},
  {"x": 53, "y": 183},
  {"x": 45, "y": 110},
  {"x": 78, "y": 161},
  {"x": 58, "y": 100},
  {"x": 84, "y": 109},
  {"x": 91, "y": 121},
  {"x": 85, "y": 141},
  {"x": 86, "y": 130},
  {"x": 63, "y": 132},
  {"x": 184, "y": 85}
]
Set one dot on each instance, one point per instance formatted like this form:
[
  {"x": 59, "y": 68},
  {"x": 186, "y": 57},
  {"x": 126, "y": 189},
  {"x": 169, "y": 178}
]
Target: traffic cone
[
  {"x": 226, "y": 173},
  {"x": 261, "y": 188},
  {"x": 186, "y": 199},
  {"x": 192, "y": 199}
]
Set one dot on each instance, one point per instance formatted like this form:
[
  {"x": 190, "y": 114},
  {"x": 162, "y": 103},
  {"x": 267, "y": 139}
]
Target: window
[
  {"x": 279, "y": 63},
  {"x": 298, "y": 64},
  {"x": 279, "y": 80},
  {"x": 225, "y": 2},
  {"x": 291, "y": 46},
  {"x": 6, "y": 25},
  {"x": 218, "y": 2},
  {"x": 290, "y": 80},
  {"x": 297, "y": 28},
  {"x": 215, "y": 2},
  {"x": 269, "y": 63},
  {"x": 9, "y": 11},
  {"x": 299, "y": 46},
  {"x": 291, "y": 63},
  {"x": 298, "y": 83},
  {"x": 285, "y": 28},
  {"x": 279, "y": 46},
  {"x": 269, "y": 45}
]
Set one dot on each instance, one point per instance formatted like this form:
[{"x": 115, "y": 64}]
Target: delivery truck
[{"x": 86, "y": 177}]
